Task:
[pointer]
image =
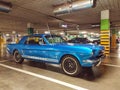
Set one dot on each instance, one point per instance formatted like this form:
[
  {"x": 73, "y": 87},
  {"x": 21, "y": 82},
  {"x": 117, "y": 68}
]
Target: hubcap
[{"x": 70, "y": 65}]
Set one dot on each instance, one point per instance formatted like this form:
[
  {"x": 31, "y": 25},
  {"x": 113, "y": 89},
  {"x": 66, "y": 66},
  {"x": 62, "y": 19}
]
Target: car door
[{"x": 34, "y": 48}]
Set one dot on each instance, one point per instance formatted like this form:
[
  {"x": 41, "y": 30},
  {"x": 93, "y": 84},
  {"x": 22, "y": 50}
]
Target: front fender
[{"x": 78, "y": 56}]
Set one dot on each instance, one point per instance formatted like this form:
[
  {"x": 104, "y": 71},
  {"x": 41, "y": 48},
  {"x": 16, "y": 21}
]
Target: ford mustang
[{"x": 54, "y": 49}]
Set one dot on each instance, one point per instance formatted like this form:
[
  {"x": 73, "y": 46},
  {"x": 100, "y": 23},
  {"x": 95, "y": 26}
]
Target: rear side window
[{"x": 34, "y": 40}]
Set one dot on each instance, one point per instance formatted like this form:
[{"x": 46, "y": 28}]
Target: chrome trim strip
[{"x": 40, "y": 58}]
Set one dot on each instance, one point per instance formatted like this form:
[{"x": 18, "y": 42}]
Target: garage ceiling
[{"x": 41, "y": 11}]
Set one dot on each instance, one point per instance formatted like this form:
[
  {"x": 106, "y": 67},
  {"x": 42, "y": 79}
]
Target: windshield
[{"x": 54, "y": 39}]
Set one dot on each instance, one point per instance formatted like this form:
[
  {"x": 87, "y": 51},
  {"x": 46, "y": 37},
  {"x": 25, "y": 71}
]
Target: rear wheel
[
  {"x": 17, "y": 57},
  {"x": 71, "y": 66}
]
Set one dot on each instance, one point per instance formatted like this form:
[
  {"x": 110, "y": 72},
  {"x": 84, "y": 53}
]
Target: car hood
[
  {"x": 82, "y": 48},
  {"x": 90, "y": 46}
]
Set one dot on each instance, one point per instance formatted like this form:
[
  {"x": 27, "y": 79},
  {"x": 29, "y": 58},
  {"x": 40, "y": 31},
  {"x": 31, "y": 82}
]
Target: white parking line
[
  {"x": 45, "y": 77},
  {"x": 3, "y": 61},
  {"x": 111, "y": 65}
]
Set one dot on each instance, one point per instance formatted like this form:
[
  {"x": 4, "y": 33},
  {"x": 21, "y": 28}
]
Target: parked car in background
[
  {"x": 53, "y": 49},
  {"x": 97, "y": 41},
  {"x": 79, "y": 40},
  {"x": 94, "y": 40},
  {"x": 84, "y": 40}
]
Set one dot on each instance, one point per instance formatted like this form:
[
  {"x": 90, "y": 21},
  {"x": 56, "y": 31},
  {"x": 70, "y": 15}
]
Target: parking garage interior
[{"x": 91, "y": 19}]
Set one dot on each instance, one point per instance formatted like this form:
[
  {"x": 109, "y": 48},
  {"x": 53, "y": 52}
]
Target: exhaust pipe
[
  {"x": 74, "y": 6},
  {"x": 5, "y": 6}
]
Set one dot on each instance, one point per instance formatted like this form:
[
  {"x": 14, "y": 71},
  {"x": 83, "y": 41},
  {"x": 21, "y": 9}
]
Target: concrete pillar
[
  {"x": 113, "y": 39},
  {"x": 30, "y": 28},
  {"x": 105, "y": 31}
]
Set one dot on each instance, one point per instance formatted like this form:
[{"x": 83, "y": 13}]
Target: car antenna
[{"x": 49, "y": 32}]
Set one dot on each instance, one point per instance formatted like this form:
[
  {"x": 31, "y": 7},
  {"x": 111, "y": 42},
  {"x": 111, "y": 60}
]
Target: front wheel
[
  {"x": 71, "y": 66},
  {"x": 17, "y": 57}
]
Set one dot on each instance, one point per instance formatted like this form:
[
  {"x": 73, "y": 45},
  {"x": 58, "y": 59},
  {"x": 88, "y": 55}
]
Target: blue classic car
[{"x": 53, "y": 49}]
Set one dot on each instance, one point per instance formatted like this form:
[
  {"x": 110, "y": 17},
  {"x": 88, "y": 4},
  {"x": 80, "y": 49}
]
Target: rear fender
[{"x": 17, "y": 50}]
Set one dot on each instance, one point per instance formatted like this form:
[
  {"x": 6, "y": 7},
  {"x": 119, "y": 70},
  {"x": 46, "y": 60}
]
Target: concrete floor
[{"x": 28, "y": 76}]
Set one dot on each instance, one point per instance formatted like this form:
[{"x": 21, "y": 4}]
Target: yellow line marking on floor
[
  {"x": 111, "y": 65},
  {"x": 45, "y": 78}
]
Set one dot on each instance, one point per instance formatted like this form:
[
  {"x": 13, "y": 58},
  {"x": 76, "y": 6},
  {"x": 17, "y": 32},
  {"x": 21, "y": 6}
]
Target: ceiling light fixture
[{"x": 5, "y": 6}]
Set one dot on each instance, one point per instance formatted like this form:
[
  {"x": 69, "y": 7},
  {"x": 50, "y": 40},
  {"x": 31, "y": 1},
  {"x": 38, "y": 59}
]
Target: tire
[
  {"x": 17, "y": 57},
  {"x": 71, "y": 66}
]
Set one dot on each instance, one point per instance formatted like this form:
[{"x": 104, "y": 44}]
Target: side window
[
  {"x": 31, "y": 41},
  {"x": 34, "y": 40}
]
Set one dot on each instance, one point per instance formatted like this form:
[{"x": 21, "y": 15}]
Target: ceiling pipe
[
  {"x": 5, "y": 6},
  {"x": 74, "y": 6}
]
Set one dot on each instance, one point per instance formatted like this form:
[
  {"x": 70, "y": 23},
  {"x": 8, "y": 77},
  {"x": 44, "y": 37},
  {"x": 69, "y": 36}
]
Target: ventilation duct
[
  {"x": 73, "y": 6},
  {"x": 5, "y": 6}
]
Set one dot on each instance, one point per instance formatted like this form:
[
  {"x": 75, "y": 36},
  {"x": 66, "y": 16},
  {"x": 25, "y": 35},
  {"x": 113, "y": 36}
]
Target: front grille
[{"x": 97, "y": 54}]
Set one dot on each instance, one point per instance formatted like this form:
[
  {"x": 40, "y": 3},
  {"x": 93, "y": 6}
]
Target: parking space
[{"x": 33, "y": 75}]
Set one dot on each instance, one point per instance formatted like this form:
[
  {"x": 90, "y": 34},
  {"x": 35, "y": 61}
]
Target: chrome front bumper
[
  {"x": 98, "y": 62},
  {"x": 95, "y": 62}
]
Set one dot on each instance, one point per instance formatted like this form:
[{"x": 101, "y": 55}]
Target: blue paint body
[{"x": 53, "y": 52}]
